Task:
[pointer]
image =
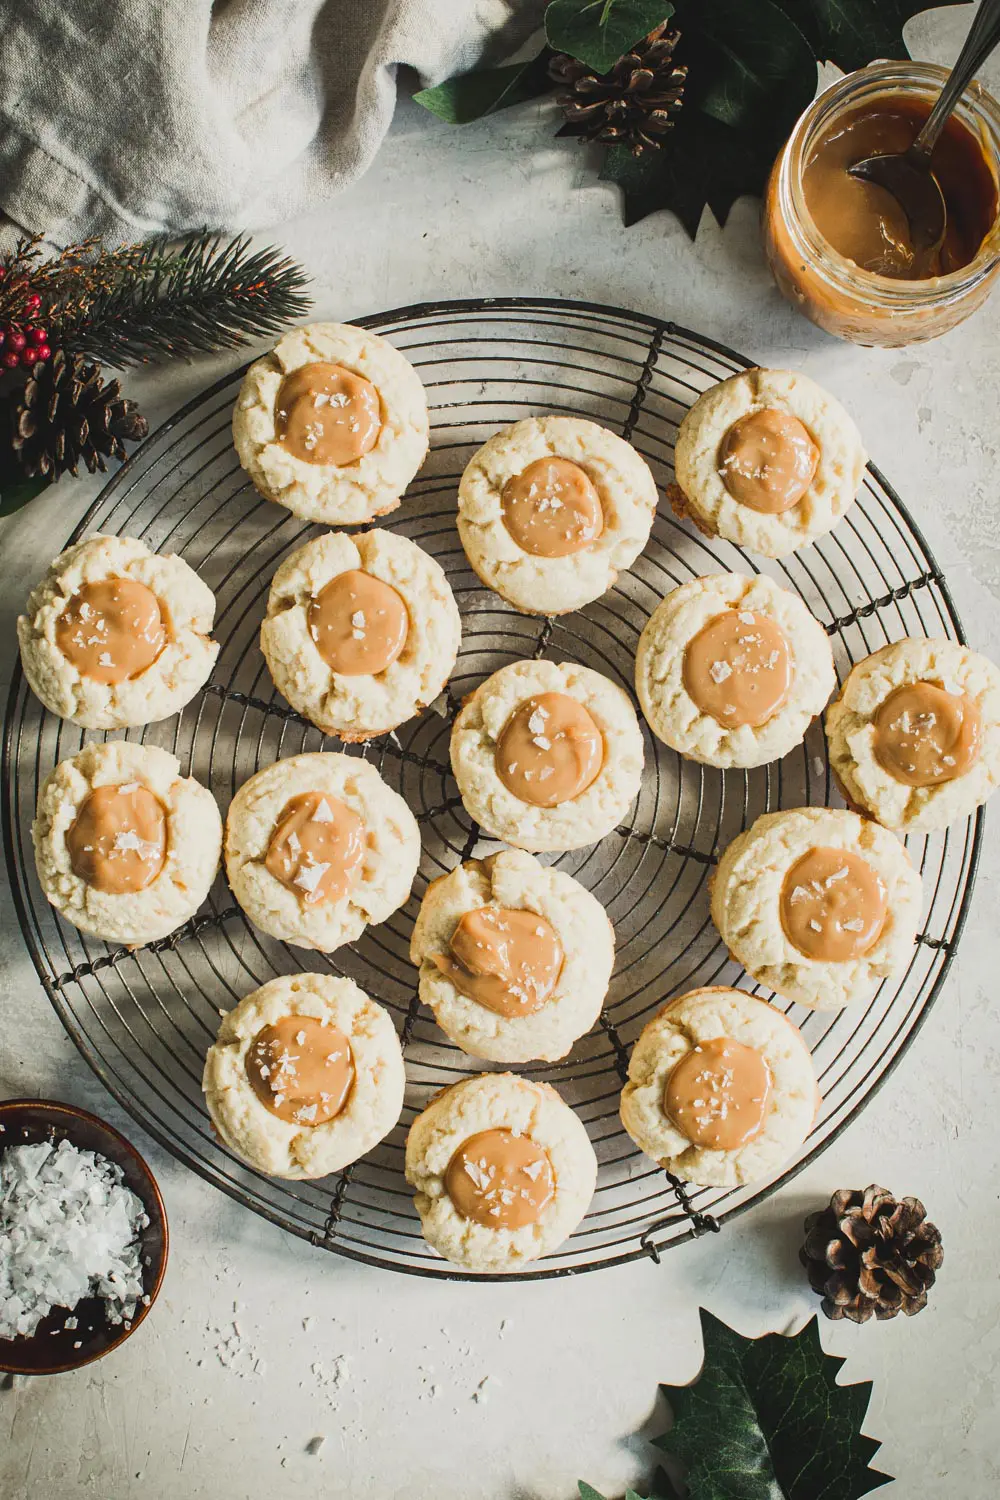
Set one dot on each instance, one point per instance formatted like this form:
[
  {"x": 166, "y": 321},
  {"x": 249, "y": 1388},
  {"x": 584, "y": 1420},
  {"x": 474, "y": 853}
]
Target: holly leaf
[
  {"x": 599, "y": 32},
  {"x": 469, "y": 96},
  {"x": 662, "y": 1489},
  {"x": 706, "y": 163},
  {"x": 852, "y": 33},
  {"x": 16, "y": 493},
  {"x": 766, "y": 1420}
]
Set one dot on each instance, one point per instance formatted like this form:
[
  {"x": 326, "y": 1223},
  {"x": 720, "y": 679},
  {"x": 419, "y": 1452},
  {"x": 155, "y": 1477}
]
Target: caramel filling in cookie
[
  {"x": 500, "y": 1179},
  {"x": 506, "y": 959},
  {"x": 301, "y": 1070},
  {"x": 738, "y": 668},
  {"x": 767, "y": 460},
  {"x": 118, "y": 840},
  {"x": 552, "y": 508},
  {"x": 325, "y": 414},
  {"x": 925, "y": 735},
  {"x": 317, "y": 848},
  {"x": 717, "y": 1094},
  {"x": 358, "y": 624},
  {"x": 111, "y": 630},
  {"x": 833, "y": 905},
  {"x": 550, "y": 750}
]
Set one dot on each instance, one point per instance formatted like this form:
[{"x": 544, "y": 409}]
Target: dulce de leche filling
[
  {"x": 506, "y": 959},
  {"x": 717, "y": 1094},
  {"x": 767, "y": 460},
  {"x": 833, "y": 905},
  {"x": 111, "y": 630},
  {"x": 925, "y": 735},
  {"x": 552, "y": 508},
  {"x": 301, "y": 1069},
  {"x": 738, "y": 668},
  {"x": 358, "y": 624},
  {"x": 865, "y": 223},
  {"x": 317, "y": 848},
  {"x": 500, "y": 1179},
  {"x": 118, "y": 840},
  {"x": 325, "y": 414},
  {"x": 550, "y": 750}
]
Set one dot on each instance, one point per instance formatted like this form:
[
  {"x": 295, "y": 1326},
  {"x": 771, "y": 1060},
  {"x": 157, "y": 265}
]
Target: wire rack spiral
[{"x": 143, "y": 1019}]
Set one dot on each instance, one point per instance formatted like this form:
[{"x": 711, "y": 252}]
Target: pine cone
[
  {"x": 633, "y": 105},
  {"x": 67, "y": 413},
  {"x": 870, "y": 1253}
]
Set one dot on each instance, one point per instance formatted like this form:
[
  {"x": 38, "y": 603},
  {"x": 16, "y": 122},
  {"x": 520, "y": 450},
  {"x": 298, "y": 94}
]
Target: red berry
[
  {"x": 38, "y": 335},
  {"x": 44, "y": 352},
  {"x": 10, "y": 360},
  {"x": 17, "y": 341},
  {"x": 29, "y": 355},
  {"x": 34, "y": 301}
]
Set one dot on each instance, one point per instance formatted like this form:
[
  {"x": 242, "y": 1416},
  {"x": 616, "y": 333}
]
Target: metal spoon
[{"x": 908, "y": 177}]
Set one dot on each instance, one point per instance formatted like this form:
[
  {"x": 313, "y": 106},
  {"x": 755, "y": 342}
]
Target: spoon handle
[{"x": 984, "y": 34}]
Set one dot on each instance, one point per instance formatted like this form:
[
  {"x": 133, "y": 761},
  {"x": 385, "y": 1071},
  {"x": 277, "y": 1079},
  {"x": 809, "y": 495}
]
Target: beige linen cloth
[{"x": 126, "y": 118}]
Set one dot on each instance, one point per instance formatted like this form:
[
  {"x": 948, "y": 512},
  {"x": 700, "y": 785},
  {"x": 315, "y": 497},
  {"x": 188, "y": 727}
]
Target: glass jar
[{"x": 841, "y": 297}]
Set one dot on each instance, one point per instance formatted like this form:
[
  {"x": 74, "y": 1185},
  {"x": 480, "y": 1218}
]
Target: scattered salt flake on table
[
  {"x": 235, "y": 1353},
  {"x": 330, "y": 1380},
  {"x": 69, "y": 1229}
]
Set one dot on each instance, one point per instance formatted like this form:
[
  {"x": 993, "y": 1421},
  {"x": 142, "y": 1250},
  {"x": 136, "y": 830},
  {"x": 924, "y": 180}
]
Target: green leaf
[
  {"x": 852, "y": 33},
  {"x": 750, "y": 65},
  {"x": 598, "y": 32},
  {"x": 469, "y": 96},
  {"x": 751, "y": 73},
  {"x": 766, "y": 1420},
  {"x": 16, "y": 493}
]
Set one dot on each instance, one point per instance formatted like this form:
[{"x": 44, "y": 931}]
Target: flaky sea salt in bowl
[{"x": 89, "y": 1212}]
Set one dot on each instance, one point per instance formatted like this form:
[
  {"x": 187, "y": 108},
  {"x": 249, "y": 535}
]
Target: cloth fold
[{"x": 126, "y": 118}]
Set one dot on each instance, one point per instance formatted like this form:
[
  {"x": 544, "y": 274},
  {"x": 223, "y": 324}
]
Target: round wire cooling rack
[{"x": 144, "y": 1018}]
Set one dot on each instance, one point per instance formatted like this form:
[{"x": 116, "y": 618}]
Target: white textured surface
[{"x": 571, "y": 1380}]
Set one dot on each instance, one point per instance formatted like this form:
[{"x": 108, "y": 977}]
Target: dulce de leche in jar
[{"x": 840, "y": 248}]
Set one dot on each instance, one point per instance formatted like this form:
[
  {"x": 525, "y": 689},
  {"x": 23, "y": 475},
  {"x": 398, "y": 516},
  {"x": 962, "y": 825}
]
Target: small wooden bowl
[{"x": 50, "y": 1350}]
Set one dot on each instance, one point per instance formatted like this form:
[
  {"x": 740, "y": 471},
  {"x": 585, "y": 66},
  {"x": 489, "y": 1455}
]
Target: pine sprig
[
  {"x": 203, "y": 295},
  {"x": 73, "y": 275}
]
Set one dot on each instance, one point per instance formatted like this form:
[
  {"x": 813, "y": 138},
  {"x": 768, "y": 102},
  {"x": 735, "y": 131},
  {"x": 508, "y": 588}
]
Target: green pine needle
[{"x": 173, "y": 301}]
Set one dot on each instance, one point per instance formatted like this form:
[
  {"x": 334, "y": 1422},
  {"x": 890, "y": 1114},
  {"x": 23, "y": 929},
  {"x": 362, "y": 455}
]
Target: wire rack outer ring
[{"x": 142, "y": 1020}]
